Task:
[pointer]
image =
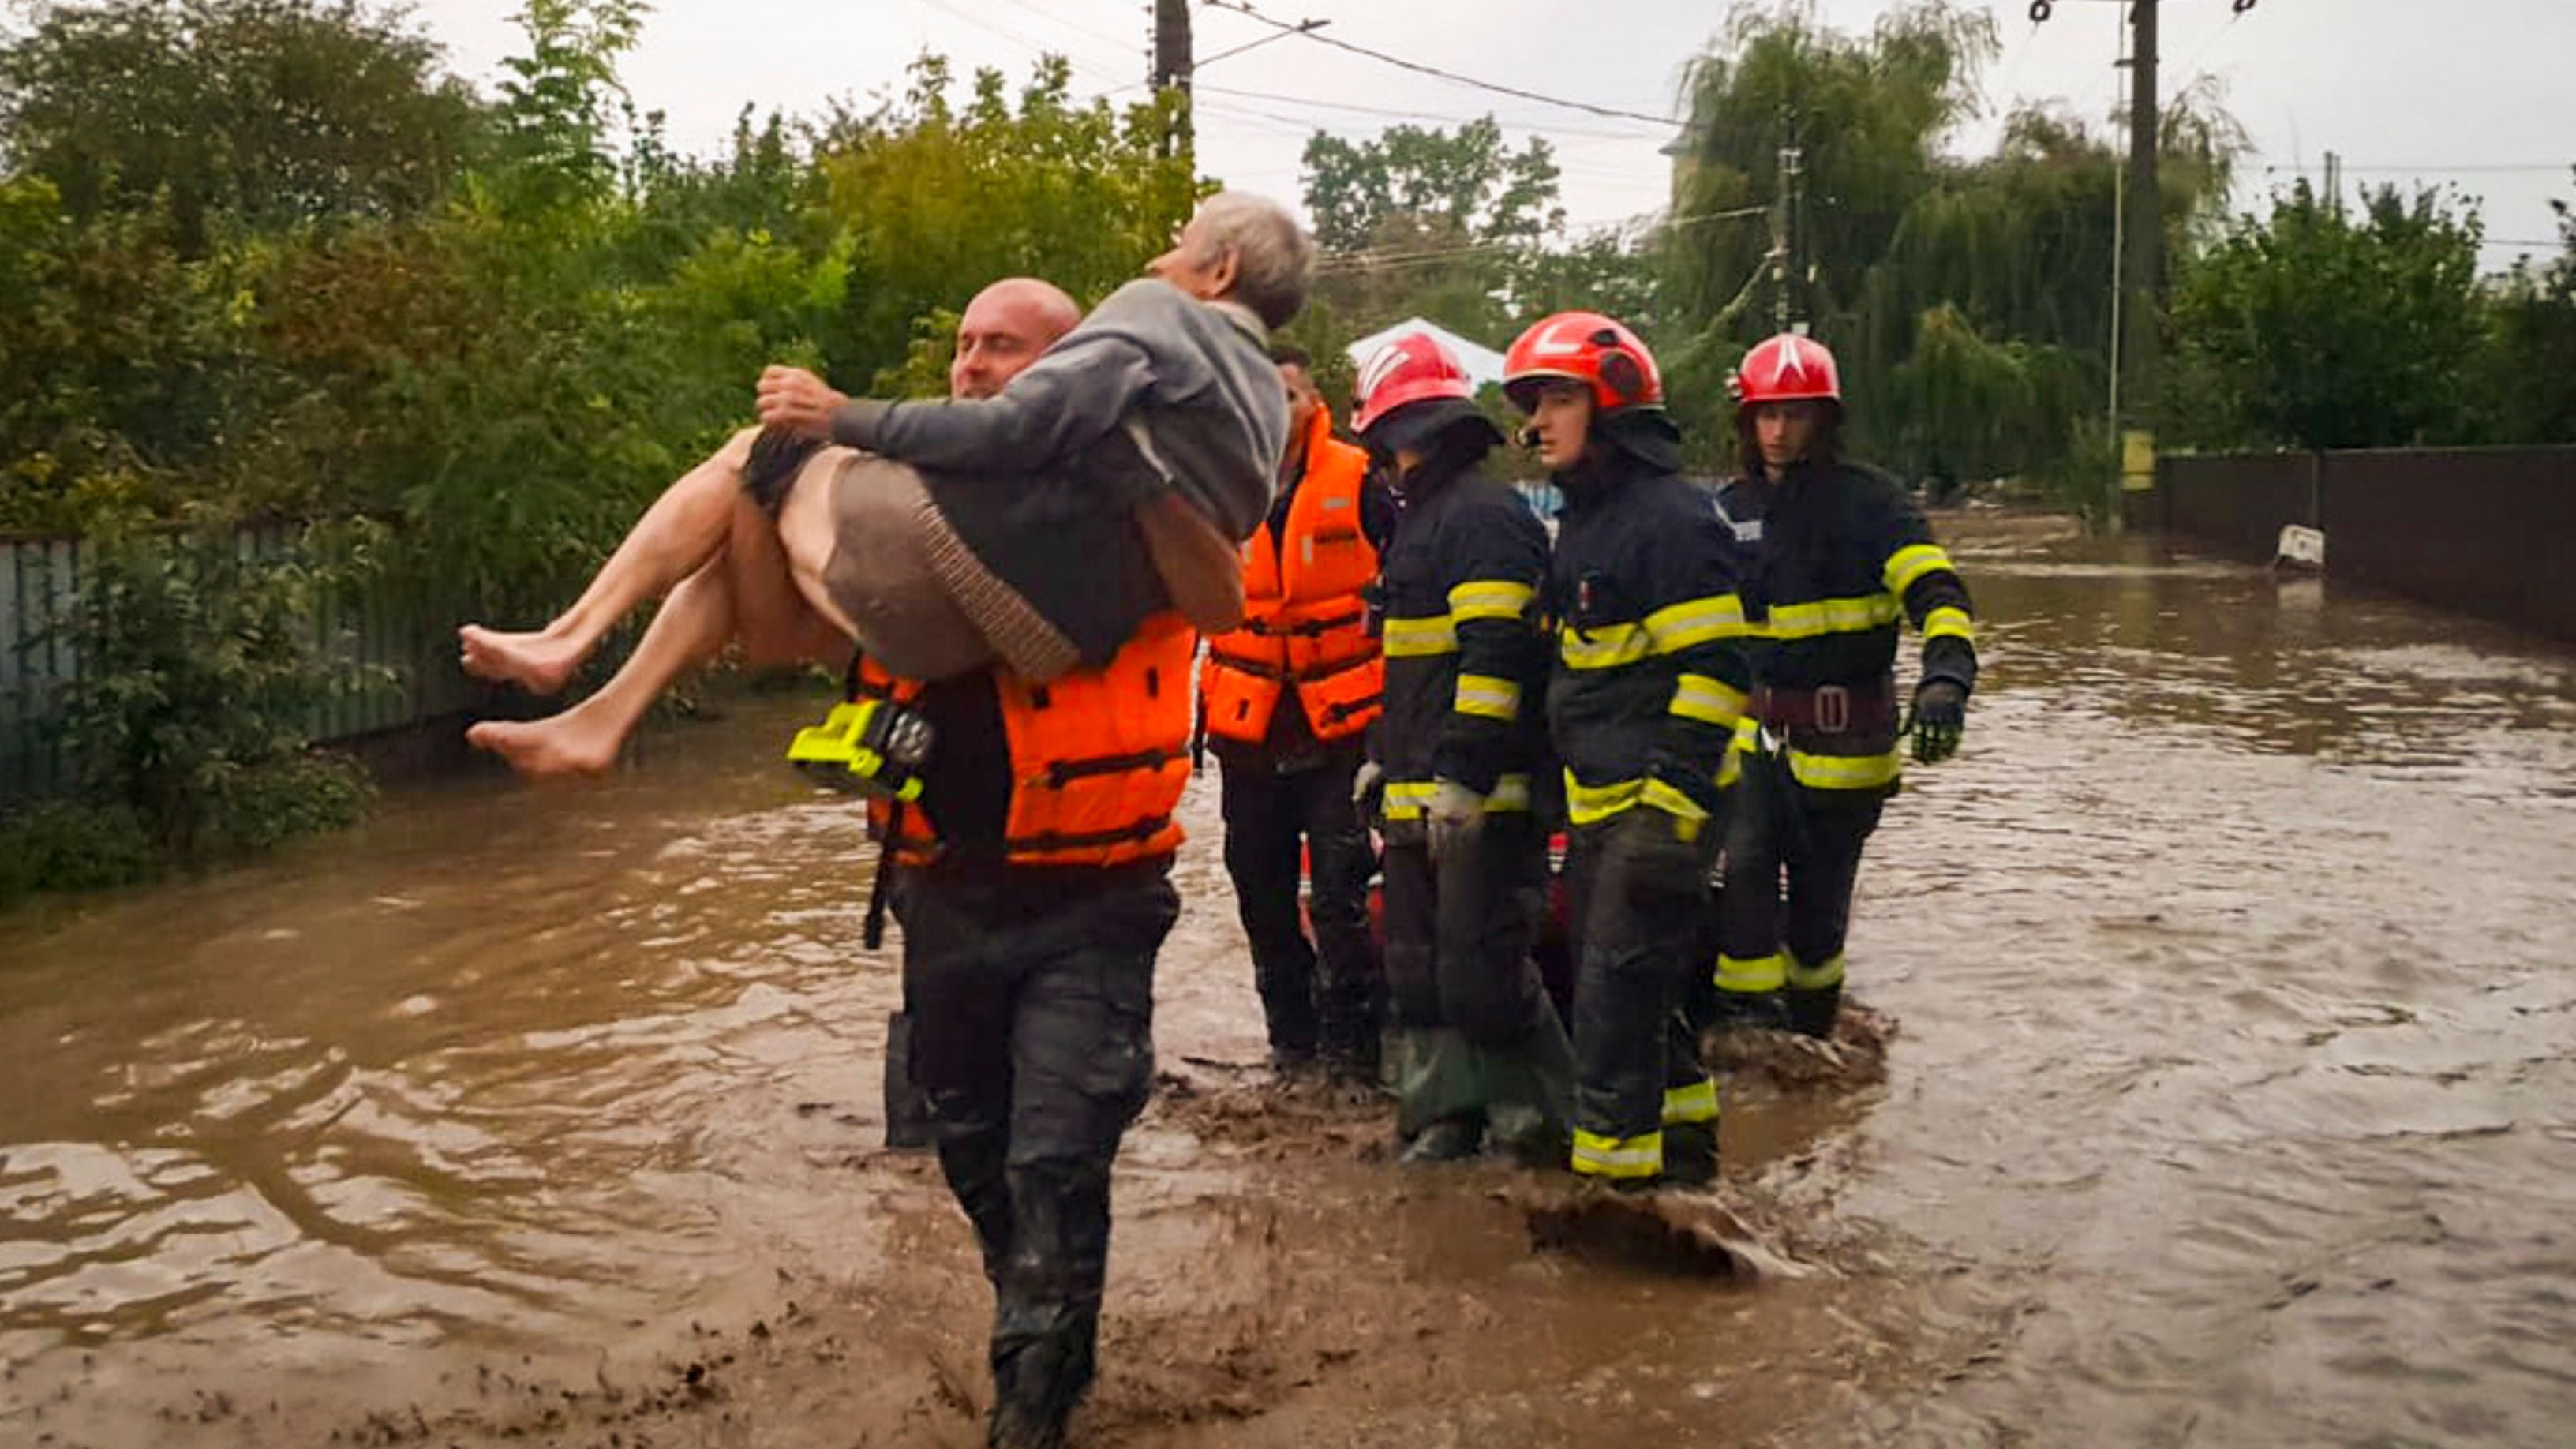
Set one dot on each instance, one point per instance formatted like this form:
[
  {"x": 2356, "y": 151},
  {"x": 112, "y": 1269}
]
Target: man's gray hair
[{"x": 1273, "y": 256}]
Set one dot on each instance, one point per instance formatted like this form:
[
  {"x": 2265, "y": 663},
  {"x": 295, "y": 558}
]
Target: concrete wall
[{"x": 2487, "y": 531}]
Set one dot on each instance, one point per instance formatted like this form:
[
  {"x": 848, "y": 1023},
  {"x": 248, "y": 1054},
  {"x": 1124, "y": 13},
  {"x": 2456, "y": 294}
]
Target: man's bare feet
[
  {"x": 547, "y": 748},
  {"x": 536, "y": 661}
]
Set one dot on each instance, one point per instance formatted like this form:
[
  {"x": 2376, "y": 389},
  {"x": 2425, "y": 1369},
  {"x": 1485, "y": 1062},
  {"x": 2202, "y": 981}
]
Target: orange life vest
[
  {"x": 1098, "y": 757},
  {"x": 1305, "y": 612}
]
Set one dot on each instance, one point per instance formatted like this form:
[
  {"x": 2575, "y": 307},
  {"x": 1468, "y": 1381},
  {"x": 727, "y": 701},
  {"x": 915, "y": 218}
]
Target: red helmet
[
  {"x": 1786, "y": 368},
  {"x": 1583, "y": 347},
  {"x": 1411, "y": 368}
]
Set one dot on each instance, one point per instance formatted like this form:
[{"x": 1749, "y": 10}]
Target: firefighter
[
  {"x": 1286, "y": 703},
  {"x": 1642, "y": 706},
  {"x": 1831, "y": 555},
  {"x": 1482, "y": 1054}
]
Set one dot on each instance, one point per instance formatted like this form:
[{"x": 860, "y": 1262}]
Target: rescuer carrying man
[
  {"x": 1482, "y": 1054},
  {"x": 1642, "y": 707},
  {"x": 1830, "y": 556},
  {"x": 1286, "y": 701}
]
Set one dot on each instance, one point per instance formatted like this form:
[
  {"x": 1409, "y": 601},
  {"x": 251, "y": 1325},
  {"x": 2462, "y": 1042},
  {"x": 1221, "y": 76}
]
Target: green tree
[
  {"x": 2527, "y": 390},
  {"x": 1431, "y": 222},
  {"x": 262, "y": 113},
  {"x": 2314, "y": 329}
]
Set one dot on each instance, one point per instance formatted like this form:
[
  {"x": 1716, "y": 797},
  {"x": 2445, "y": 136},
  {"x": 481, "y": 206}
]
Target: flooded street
[{"x": 2233, "y": 1101}]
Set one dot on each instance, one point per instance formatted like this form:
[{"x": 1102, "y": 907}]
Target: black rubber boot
[
  {"x": 907, "y": 1112},
  {"x": 1690, "y": 1155},
  {"x": 1451, "y": 1139},
  {"x": 1733, "y": 1010},
  {"x": 1812, "y": 1012}
]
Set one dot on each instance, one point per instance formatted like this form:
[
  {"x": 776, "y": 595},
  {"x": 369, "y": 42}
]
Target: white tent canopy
[{"x": 1483, "y": 363}]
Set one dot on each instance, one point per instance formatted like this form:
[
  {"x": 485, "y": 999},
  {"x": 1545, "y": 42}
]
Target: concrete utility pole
[
  {"x": 2142, "y": 270},
  {"x": 1172, "y": 64},
  {"x": 1788, "y": 273}
]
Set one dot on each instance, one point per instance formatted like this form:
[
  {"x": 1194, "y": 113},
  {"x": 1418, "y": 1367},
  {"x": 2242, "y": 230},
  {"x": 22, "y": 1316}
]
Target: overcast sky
[{"x": 2471, "y": 93}]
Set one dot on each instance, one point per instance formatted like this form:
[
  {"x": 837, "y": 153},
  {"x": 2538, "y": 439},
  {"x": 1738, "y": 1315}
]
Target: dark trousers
[
  {"x": 1792, "y": 859},
  {"x": 1483, "y": 1042},
  {"x": 1320, "y": 995},
  {"x": 1644, "y": 1104},
  {"x": 1030, "y": 996}
]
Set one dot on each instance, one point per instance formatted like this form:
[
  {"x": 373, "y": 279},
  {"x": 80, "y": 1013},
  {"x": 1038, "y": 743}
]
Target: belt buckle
[{"x": 1833, "y": 709}]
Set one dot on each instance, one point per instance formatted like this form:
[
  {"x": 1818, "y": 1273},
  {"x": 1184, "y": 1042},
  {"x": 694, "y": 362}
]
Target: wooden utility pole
[{"x": 1172, "y": 64}]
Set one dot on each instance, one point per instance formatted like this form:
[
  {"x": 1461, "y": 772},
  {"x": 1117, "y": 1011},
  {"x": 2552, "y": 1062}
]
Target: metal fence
[{"x": 378, "y": 634}]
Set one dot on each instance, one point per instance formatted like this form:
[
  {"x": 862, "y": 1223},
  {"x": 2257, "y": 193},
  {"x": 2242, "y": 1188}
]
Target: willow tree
[{"x": 1950, "y": 288}]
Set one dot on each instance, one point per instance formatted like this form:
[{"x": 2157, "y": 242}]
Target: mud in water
[{"x": 2215, "y": 1089}]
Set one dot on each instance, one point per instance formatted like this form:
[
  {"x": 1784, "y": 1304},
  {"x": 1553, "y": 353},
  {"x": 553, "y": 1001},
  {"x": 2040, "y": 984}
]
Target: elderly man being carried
[{"x": 1037, "y": 528}]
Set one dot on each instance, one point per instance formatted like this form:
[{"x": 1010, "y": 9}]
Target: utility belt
[{"x": 1828, "y": 709}]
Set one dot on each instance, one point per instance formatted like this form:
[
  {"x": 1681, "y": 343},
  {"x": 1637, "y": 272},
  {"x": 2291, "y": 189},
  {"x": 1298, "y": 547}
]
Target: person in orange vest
[
  {"x": 1286, "y": 704},
  {"x": 1031, "y": 875}
]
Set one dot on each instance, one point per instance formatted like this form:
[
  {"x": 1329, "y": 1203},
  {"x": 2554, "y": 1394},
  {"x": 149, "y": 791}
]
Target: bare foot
[
  {"x": 547, "y": 748},
  {"x": 536, "y": 662}
]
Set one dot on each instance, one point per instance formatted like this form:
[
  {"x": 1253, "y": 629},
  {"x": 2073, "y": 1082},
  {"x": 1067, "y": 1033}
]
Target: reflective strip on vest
[
  {"x": 1688, "y": 815},
  {"x": 1586, "y": 804},
  {"x": 1755, "y": 976},
  {"x": 1489, "y": 697},
  {"x": 1950, "y": 623},
  {"x": 1694, "y": 1103},
  {"x": 1489, "y": 599},
  {"x": 1803, "y": 977},
  {"x": 1711, "y": 701},
  {"x": 1420, "y": 638},
  {"x": 1620, "y": 1157},
  {"x": 1844, "y": 772},
  {"x": 1912, "y": 562},
  {"x": 1694, "y": 622},
  {"x": 1832, "y": 616}
]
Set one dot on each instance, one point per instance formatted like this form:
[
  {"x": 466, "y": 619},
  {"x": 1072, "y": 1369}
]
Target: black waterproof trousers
[
  {"x": 1321, "y": 995},
  {"x": 1030, "y": 995},
  {"x": 1792, "y": 859},
  {"x": 1480, "y": 1040},
  {"x": 1645, "y": 1107}
]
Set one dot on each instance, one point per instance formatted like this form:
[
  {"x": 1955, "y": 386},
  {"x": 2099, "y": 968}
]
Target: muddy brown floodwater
[{"x": 2232, "y": 1101}]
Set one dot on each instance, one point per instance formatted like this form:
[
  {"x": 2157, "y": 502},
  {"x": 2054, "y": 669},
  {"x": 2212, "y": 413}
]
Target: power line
[
  {"x": 1241, "y": 7},
  {"x": 1406, "y": 115}
]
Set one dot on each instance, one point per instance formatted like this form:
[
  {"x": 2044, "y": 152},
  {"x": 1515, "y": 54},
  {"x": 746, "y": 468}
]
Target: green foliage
[
  {"x": 934, "y": 200},
  {"x": 2313, "y": 329},
  {"x": 2526, "y": 386},
  {"x": 257, "y": 114},
  {"x": 71, "y": 845},
  {"x": 202, "y": 668}
]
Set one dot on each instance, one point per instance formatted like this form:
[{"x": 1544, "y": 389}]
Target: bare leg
[
  {"x": 808, "y": 531},
  {"x": 691, "y": 626},
  {"x": 771, "y": 615},
  {"x": 684, "y": 528}
]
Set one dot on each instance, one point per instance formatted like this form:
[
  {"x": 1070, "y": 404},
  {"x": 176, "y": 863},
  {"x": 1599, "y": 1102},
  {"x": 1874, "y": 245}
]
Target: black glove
[
  {"x": 1652, "y": 856},
  {"x": 1939, "y": 718}
]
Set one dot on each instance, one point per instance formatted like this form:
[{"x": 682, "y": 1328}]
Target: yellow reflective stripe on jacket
[
  {"x": 1697, "y": 696},
  {"x": 1694, "y": 1103},
  {"x": 1833, "y": 616},
  {"x": 1950, "y": 622},
  {"x": 1912, "y": 562},
  {"x": 1483, "y": 694},
  {"x": 1694, "y": 622},
  {"x": 1489, "y": 599},
  {"x": 1687, "y": 813},
  {"x": 1754, "y": 975},
  {"x": 1804, "y": 977},
  {"x": 1411, "y": 799},
  {"x": 1416, "y": 638},
  {"x": 1607, "y": 647},
  {"x": 1599, "y": 1156},
  {"x": 1585, "y": 804},
  {"x": 1844, "y": 772}
]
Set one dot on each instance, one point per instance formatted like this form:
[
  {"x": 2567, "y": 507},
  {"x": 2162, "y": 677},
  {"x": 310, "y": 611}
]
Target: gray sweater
[{"x": 1188, "y": 384}]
